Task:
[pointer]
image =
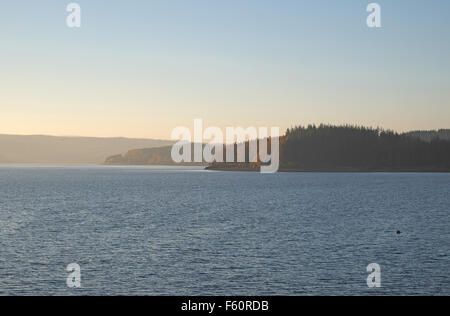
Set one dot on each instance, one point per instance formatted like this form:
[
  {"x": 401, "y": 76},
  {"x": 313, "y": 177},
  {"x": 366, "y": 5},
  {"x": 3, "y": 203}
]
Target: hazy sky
[{"x": 139, "y": 68}]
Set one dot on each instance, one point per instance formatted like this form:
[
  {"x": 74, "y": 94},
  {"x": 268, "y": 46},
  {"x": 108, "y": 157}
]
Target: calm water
[{"x": 164, "y": 231}]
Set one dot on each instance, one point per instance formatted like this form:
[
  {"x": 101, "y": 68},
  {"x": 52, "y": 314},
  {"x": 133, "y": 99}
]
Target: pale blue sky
[{"x": 139, "y": 68}]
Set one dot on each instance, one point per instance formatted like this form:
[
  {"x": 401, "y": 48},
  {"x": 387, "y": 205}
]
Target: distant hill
[
  {"x": 146, "y": 156},
  {"x": 70, "y": 150},
  {"x": 332, "y": 148},
  {"x": 428, "y": 136}
]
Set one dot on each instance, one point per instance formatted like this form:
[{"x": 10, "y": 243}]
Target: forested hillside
[{"x": 328, "y": 146}]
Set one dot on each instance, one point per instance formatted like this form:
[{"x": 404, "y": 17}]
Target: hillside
[
  {"x": 330, "y": 148},
  {"x": 69, "y": 150},
  {"x": 146, "y": 156}
]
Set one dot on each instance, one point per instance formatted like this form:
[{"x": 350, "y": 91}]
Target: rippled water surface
[{"x": 166, "y": 231}]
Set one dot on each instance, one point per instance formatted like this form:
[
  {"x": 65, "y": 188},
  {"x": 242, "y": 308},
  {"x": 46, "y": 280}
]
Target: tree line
[{"x": 329, "y": 146}]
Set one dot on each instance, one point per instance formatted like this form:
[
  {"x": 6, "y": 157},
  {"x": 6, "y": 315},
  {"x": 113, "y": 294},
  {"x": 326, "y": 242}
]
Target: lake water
[{"x": 172, "y": 231}]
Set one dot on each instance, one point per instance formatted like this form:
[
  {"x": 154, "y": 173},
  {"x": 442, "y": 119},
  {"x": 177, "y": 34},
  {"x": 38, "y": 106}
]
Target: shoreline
[
  {"x": 245, "y": 169},
  {"x": 338, "y": 170}
]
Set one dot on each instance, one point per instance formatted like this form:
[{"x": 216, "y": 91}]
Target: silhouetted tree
[{"x": 328, "y": 146}]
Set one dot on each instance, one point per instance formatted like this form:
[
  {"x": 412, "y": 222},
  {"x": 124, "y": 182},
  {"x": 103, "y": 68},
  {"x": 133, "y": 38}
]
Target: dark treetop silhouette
[{"x": 328, "y": 147}]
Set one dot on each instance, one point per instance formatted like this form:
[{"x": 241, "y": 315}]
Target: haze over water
[{"x": 184, "y": 231}]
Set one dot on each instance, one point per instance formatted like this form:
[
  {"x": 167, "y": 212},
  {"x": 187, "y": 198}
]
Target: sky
[{"x": 140, "y": 68}]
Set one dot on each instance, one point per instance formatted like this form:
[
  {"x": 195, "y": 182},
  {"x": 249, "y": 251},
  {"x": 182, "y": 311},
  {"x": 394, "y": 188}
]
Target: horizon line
[{"x": 169, "y": 140}]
